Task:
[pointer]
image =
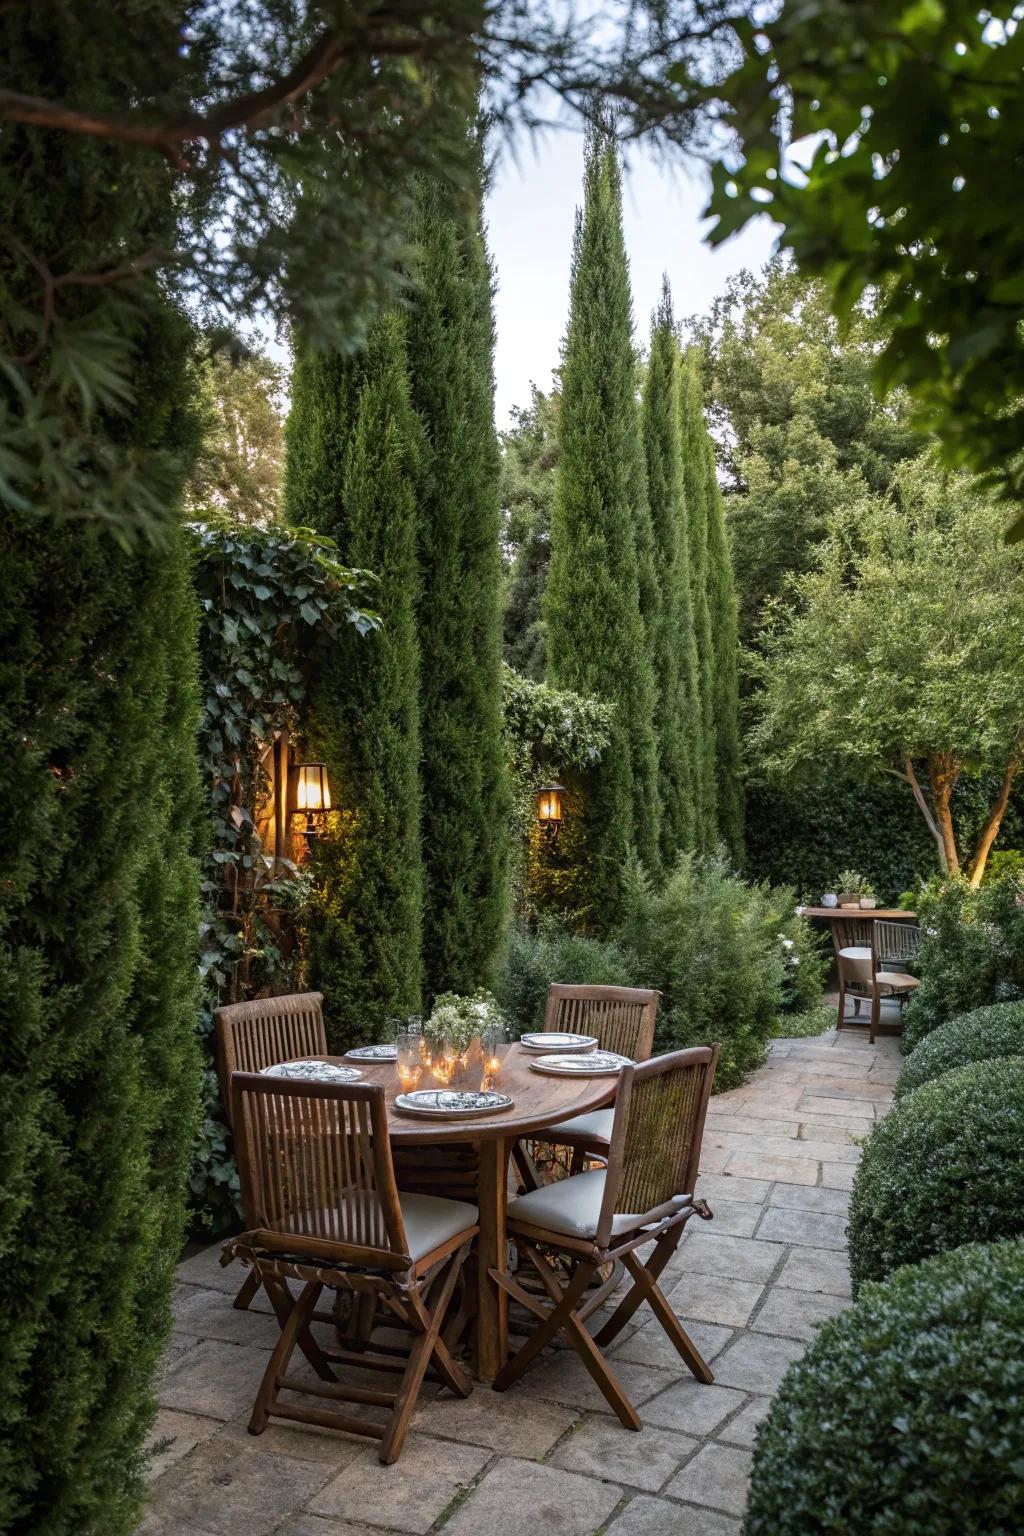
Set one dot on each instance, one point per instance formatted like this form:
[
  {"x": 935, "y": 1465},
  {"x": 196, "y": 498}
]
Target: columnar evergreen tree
[
  {"x": 674, "y": 651},
  {"x": 695, "y": 480},
  {"x": 529, "y": 456},
  {"x": 725, "y": 638},
  {"x": 464, "y": 786},
  {"x": 597, "y": 643},
  {"x": 98, "y": 885},
  {"x": 352, "y": 464}
]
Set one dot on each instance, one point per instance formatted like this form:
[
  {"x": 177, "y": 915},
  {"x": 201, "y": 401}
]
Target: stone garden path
[{"x": 547, "y": 1458}]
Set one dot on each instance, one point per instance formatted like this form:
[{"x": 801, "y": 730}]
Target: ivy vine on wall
[{"x": 268, "y": 598}]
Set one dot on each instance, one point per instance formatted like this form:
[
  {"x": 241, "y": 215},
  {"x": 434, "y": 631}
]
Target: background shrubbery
[
  {"x": 945, "y": 1167},
  {"x": 904, "y": 1414},
  {"x": 982, "y": 1035}
]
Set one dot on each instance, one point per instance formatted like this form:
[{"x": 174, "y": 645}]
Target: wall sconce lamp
[
  {"x": 312, "y": 797},
  {"x": 549, "y": 806}
]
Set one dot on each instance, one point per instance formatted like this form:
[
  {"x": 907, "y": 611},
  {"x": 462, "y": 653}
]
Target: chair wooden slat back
[
  {"x": 622, "y": 1018},
  {"x": 852, "y": 932},
  {"x": 256, "y": 1034},
  {"x": 656, "y": 1137},
  {"x": 894, "y": 942},
  {"x": 315, "y": 1163}
]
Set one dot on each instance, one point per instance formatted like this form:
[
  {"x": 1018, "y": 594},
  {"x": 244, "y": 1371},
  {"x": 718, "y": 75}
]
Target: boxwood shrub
[
  {"x": 945, "y": 1167},
  {"x": 984, "y": 1034},
  {"x": 905, "y": 1415}
]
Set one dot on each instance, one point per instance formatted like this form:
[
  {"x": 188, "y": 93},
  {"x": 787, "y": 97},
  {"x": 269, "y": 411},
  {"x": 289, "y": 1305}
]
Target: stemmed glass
[{"x": 409, "y": 1059}]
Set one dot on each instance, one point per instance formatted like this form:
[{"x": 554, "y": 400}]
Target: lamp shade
[
  {"x": 549, "y": 804},
  {"x": 312, "y": 788}
]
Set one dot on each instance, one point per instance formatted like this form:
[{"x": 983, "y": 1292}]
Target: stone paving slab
[{"x": 750, "y": 1287}]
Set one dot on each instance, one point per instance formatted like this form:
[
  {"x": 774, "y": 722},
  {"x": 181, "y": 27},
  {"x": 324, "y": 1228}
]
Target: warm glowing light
[
  {"x": 549, "y": 804},
  {"x": 312, "y": 789}
]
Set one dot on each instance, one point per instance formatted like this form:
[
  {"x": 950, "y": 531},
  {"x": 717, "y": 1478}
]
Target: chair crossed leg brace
[{"x": 593, "y": 1219}]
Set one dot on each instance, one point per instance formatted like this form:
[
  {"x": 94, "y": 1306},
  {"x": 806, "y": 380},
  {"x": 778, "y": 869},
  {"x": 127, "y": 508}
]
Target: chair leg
[
  {"x": 428, "y": 1345},
  {"x": 297, "y": 1319},
  {"x": 525, "y": 1166},
  {"x": 876, "y": 1008},
  {"x": 247, "y": 1292},
  {"x": 635, "y": 1296},
  {"x": 651, "y": 1291},
  {"x": 283, "y": 1302},
  {"x": 553, "y": 1323},
  {"x": 841, "y": 1016}
]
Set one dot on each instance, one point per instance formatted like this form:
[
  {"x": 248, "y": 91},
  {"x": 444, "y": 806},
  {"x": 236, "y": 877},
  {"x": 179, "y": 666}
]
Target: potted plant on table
[{"x": 854, "y": 890}]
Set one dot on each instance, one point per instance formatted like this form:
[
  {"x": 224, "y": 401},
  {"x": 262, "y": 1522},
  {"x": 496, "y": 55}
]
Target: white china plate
[
  {"x": 451, "y": 1103},
  {"x": 583, "y": 1064},
  {"x": 557, "y": 1042},
  {"x": 372, "y": 1053},
  {"x": 313, "y": 1071}
]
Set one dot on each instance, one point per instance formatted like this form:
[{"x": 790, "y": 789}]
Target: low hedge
[
  {"x": 945, "y": 1167},
  {"x": 905, "y": 1415},
  {"x": 984, "y": 1034}
]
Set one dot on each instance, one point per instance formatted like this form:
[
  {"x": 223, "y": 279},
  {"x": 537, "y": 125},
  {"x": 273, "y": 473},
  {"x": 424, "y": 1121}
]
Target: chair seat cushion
[
  {"x": 431, "y": 1220},
  {"x": 597, "y": 1126},
  {"x": 572, "y": 1207},
  {"x": 897, "y": 979}
]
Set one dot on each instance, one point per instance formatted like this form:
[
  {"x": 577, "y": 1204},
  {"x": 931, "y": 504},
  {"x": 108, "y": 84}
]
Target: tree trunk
[
  {"x": 943, "y": 772},
  {"x": 994, "y": 822},
  {"x": 910, "y": 777}
]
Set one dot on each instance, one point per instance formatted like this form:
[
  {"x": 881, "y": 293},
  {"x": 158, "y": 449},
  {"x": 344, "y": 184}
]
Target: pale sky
[{"x": 530, "y": 213}]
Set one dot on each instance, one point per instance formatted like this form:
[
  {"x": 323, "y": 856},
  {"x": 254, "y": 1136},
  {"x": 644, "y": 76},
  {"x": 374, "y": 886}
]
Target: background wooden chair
[
  {"x": 253, "y": 1035},
  {"x": 623, "y": 1020},
  {"x": 646, "y": 1195},
  {"x": 893, "y": 946},
  {"x": 851, "y": 938},
  {"x": 316, "y": 1169}
]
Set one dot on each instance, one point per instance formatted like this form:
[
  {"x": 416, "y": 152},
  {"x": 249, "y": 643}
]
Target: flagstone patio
[{"x": 548, "y": 1457}]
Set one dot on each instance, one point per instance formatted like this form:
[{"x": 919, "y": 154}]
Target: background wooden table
[{"x": 540, "y": 1101}]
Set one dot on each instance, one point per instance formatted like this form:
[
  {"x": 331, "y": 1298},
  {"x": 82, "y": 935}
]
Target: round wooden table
[{"x": 541, "y": 1100}]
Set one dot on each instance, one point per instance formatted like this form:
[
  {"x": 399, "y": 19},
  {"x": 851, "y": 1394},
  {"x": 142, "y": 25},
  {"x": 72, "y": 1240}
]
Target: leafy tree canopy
[
  {"x": 911, "y": 190},
  {"x": 529, "y": 457},
  {"x": 239, "y": 471},
  {"x": 900, "y": 653}
]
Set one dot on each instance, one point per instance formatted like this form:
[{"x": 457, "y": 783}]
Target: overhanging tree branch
[{"x": 995, "y": 819}]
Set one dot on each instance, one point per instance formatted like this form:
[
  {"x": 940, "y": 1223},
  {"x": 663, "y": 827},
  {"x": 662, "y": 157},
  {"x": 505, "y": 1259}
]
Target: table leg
[{"x": 492, "y": 1301}]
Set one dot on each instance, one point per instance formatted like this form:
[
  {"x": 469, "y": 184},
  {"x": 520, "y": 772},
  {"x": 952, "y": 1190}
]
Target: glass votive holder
[
  {"x": 493, "y": 1051},
  {"x": 409, "y": 1058}
]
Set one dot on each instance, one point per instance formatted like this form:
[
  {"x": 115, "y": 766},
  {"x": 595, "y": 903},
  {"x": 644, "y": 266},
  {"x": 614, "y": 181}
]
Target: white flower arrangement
[{"x": 457, "y": 1021}]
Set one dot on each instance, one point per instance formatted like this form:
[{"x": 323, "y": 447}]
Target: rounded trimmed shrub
[
  {"x": 945, "y": 1167},
  {"x": 904, "y": 1416},
  {"x": 984, "y": 1034}
]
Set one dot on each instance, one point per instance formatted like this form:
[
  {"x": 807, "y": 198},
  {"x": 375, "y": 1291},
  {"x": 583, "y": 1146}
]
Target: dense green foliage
[
  {"x": 918, "y": 121},
  {"x": 972, "y": 950},
  {"x": 695, "y": 484},
  {"x": 597, "y": 644},
  {"x": 904, "y": 1414},
  {"x": 727, "y": 957},
  {"x": 464, "y": 790},
  {"x": 264, "y": 597},
  {"x": 239, "y": 471},
  {"x": 673, "y": 645},
  {"x": 352, "y": 465},
  {"x": 899, "y": 654},
  {"x": 98, "y": 883},
  {"x": 984, "y": 1034},
  {"x": 725, "y": 699},
  {"x": 528, "y": 460},
  {"x": 554, "y": 954},
  {"x": 943, "y": 1168}
]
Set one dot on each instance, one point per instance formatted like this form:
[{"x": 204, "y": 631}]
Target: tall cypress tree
[
  {"x": 674, "y": 651},
  {"x": 98, "y": 884},
  {"x": 695, "y": 482},
  {"x": 465, "y": 793},
  {"x": 725, "y": 639},
  {"x": 352, "y": 464},
  {"x": 596, "y": 639}
]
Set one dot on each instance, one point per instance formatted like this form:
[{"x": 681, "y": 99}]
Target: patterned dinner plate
[
  {"x": 451, "y": 1103},
  {"x": 583, "y": 1064},
  {"x": 557, "y": 1042},
  {"x": 372, "y": 1053},
  {"x": 313, "y": 1071}
]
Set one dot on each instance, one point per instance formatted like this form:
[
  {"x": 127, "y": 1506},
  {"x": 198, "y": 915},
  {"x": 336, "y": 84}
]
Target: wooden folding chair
[
  {"x": 645, "y": 1195},
  {"x": 622, "y": 1019},
  {"x": 253, "y": 1035},
  {"x": 317, "y": 1172},
  {"x": 851, "y": 939},
  {"x": 893, "y": 945}
]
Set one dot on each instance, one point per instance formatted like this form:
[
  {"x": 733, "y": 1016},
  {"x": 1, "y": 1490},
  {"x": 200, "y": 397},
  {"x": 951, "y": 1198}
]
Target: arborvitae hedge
[
  {"x": 673, "y": 649},
  {"x": 725, "y": 639},
  {"x": 597, "y": 644},
  {"x": 352, "y": 463},
  {"x": 98, "y": 888},
  {"x": 465, "y": 796},
  {"x": 695, "y": 471}
]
